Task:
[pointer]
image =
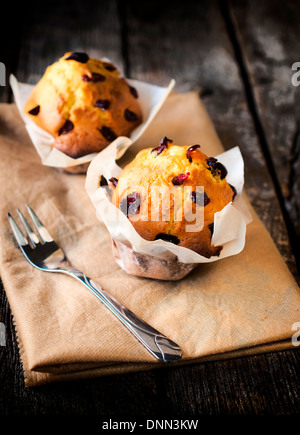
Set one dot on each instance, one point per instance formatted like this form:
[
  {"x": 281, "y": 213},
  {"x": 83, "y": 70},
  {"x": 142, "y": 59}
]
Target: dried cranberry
[
  {"x": 108, "y": 133},
  {"x": 234, "y": 191},
  {"x": 103, "y": 181},
  {"x": 211, "y": 161},
  {"x": 66, "y": 128},
  {"x": 86, "y": 78},
  {"x": 96, "y": 77},
  {"x": 109, "y": 66},
  {"x": 134, "y": 92},
  {"x": 130, "y": 116},
  {"x": 114, "y": 181},
  {"x": 179, "y": 179},
  {"x": 102, "y": 104},
  {"x": 216, "y": 167},
  {"x": 79, "y": 57},
  {"x": 222, "y": 169},
  {"x": 190, "y": 150},
  {"x": 35, "y": 111},
  {"x": 206, "y": 199},
  {"x": 211, "y": 228},
  {"x": 163, "y": 145},
  {"x": 130, "y": 205},
  {"x": 200, "y": 198},
  {"x": 167, "y": 238}
]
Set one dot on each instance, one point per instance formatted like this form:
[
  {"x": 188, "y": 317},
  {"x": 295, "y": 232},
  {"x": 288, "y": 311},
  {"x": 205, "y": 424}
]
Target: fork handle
[{"x": 157, "y": 344}]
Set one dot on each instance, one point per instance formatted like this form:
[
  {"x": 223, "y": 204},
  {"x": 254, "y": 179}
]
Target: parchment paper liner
[
  {"x": 159, "y": 259},
  {"x": 151, "y": 99},
  {"x": 149, "y": 266}
]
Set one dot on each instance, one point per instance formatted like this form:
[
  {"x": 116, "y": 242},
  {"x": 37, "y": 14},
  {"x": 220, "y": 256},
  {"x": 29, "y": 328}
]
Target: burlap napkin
[{"x": 240, "y": 305}]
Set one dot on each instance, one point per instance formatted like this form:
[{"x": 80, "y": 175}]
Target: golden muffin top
[
  {"x": 84, "y": 103},
  {"x": 172, "y": 193}
]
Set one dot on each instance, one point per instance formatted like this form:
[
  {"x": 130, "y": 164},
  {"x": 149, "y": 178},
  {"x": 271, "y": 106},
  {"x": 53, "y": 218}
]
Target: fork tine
[
  {"x": 41, "y": 229},
  {"x": 22, "y": 241},
  {"x": 31, "y": 235}
]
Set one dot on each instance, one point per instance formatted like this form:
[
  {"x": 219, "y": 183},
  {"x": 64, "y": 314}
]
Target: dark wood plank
[
  {"x": 54, "y": 29},
  {"x": 268, "y": 35},
  {"x": 242, "y": 386}
]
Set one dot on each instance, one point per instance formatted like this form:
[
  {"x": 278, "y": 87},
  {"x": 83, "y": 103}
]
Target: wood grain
[
  {"x": 268, "y": 35},
  {"x": 52, "y": 31}
]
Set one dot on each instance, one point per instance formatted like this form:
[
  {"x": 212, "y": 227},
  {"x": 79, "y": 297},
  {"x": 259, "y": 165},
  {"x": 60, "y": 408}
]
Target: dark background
[{"x": 238, "y": 55}]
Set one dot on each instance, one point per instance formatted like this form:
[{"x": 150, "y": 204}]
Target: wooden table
[{"x": 238, "y": 55}]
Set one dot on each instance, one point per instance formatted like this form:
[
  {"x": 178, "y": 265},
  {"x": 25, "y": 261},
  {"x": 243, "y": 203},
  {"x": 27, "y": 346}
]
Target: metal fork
[{"x": 43, "y": 253}]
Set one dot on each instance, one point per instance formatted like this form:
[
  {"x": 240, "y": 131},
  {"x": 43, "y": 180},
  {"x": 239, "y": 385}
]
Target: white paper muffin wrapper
[
  {"x": 229, "y": 224},
  {"x": 151, "y": 99}
]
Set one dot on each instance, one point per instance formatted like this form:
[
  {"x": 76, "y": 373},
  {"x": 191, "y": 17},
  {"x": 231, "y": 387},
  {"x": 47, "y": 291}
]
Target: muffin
[
  {"x": 84, "y": 103},
  {"x": 172, "y": 193}
]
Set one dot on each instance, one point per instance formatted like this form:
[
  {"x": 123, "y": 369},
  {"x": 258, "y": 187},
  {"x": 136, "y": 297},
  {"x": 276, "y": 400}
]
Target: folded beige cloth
[{"x": 240, "y": 305}]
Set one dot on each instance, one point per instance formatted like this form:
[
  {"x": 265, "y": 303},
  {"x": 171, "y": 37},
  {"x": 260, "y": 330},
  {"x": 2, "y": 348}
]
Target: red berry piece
[
  {"x": 86, "y": 78},
  {"x": 109, "y": 66},
  {"x": 130, "y": 205},
  {"x": 103, "y": 181},
  {"x": 216, "y": 167},
  {"x": 163, "y": 146},
  {"x": 211, "y": 161},
  {"x": 66, "y": 128},
  {"x": 35, "y": 111},
  {"x": 108, "y": 133},
  {"x": 179, "y": 179},
  {"x": 167, "y": 238},
  {"x": 190, "y": 150},
  {"x": 134, "y": 92},
  {"x": 211, "y": 228},
  {"x": 222, "y": 169},
  {"x": 130, "y": 116},
  {"x": 114, "y": 181},
  {"x": 200, "y": 198},
  {"x": 102, "y": 104},
  {"x": 96, "y": 77},
  {"x": 79, "y": 57}
]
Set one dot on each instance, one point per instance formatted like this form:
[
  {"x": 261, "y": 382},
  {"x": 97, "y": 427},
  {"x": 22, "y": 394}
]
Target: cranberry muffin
[
  {"x": 84, "y": 103},
  {"x": 163, "y": 188}
]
